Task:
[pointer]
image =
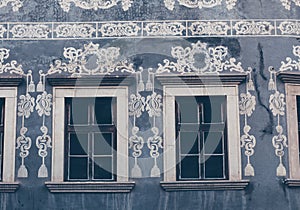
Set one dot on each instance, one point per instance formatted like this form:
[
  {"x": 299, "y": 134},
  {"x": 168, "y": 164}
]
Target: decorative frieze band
[{"x": 141, "y": 29}]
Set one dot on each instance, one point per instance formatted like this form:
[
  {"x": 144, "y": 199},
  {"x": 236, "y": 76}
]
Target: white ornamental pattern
[
  {"x": 30, "y": 31},
  {"x": 291, "y": 64},
  {"x": 277, "y": 107},
  {"x": 119, "y": 30},
  {"x": 247, "y": 106},
  {"x": 91, "y": 60},
  {"x": 16, "y": 4},
  {"x": 2, "y": 31},
  {"x": 289, "y": 27},
  {"x": 75, "y": 30},
  {"x": 99, "y": 4},
  {"x": 287, "y": 3},
  {"x": 164, "y": 29},
  {"x": 199, "y": 3},
  {"x": 200, "y": 59},
  {"x": 253, "y": 27},
  {"x": 209, "y": 28}
]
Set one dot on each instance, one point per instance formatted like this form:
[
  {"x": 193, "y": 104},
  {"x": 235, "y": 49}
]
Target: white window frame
[
  {"x": 8, "y": 183},
  {"x": 57, "y": 183},
  {"x": 233, "y": 140},
  {"x": 292, "y": 91}
]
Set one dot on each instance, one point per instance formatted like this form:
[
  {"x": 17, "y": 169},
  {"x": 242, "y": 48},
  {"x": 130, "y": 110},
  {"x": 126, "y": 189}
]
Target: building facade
[{"x": 164, "y": 104}]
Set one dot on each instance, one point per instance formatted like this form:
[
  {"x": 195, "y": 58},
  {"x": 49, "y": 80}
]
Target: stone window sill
[
  {"x": 204, "y": 185},
  {"x": 8, "y": 187},
  {"x": 90, "y": 187},
  {"x": 292, "y": 182}
]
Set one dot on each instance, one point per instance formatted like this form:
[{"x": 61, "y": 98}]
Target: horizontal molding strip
[{"x": 149, "y": 29}]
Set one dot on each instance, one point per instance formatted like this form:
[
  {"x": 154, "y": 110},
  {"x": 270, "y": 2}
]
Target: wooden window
[
  {"x": 2, "y": 111},
  {"x": 90, "y": 139},
  {"x": 201, "y": 137}
]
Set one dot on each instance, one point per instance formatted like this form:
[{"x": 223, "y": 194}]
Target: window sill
[
  {"x": 8, "y": 187},
  {"x": 90, "y": 187},
  {"x": 292, "y": 182},
  {"x": 204, "y": 185}
]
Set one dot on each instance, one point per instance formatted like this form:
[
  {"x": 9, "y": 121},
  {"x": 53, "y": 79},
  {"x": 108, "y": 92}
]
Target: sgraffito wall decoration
[
  {"x": 100, "y": 4},
  {"x": 200, "y": 3},
  {"x": 247, "y": 106},
  {"x": 26, "y": 105},
  {"x": 155, "y": 28},
  {"x": 277, "y": 105},
  {"x": 16, "y": 4},
  {"x": 287, "y": 3}
]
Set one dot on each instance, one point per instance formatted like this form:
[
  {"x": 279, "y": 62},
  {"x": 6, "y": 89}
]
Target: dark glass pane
[
  {"x": 79, "y": 110},
  {"x": 102, "y": 143},
  {"x": 78, "y": 168},
  {"x": 103, "y": 168},
  {"x": 214, "y": 167},
  {"x": 78, "y": 144},
  {"x": 103, "y": 110},
  {"x": 188, "y": 109},
  {"x": 213, "y": 142},
  {"x": 189, "y": 143},
  {"x": 1, "y": 143},
  {"x": 212, "y": 108},
  {"x": 190, "y": 167},
  {"x": 2, "y": 111},
  {"x": 298, "y": 108}
]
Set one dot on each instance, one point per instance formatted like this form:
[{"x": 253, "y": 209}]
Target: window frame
[
  {"x": 292, "y": 91},
  {"x": 8, "y": 183},
  {"x": 210, "y": 85},
  {"x": 57, "y": 183}
]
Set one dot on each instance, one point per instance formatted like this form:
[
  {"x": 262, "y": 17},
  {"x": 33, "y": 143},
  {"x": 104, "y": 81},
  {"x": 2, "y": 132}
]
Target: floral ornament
[
  {"x": 199, "y": 3},
  {"x": 153, "y": 104},
  {"x": 136, "y": 105},
  {"x": 24, "y": 144},
  {"x": 136, "y": 143},
  {"x": 247, "y": 104},
  {"x": 279, "y": 142},
  {"x": 42, "y": 143},
  {"x": 200, "y": 59},
  {"x": 277, "y": 103},
  {"x": 154, "y": 143},
  {"x": 287, "y": 3},
  {"x": 248, "y": 142},
  {"x": 26, "y": 105},
  {"x": 291, "y": 64},
  {"x": 43, "y": 104}
]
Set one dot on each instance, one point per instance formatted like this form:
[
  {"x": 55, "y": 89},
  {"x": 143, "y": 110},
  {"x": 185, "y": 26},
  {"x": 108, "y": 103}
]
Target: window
[
  {"x": 293, "y": 119},
  {"x": 8, "y": 99},
  {"x": 90, "y": 131},
  {"x": 90, "y": 139},
  {"x": 202, "y": 134},
  {"x": 201, "y": 137}
]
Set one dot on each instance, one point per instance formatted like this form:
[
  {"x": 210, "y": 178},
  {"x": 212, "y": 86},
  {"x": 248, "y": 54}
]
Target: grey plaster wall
[{"x": 265, "y": 191}]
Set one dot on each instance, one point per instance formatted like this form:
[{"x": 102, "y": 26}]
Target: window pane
[
  {"x": 103, "y": 110},
  {"x": 213, "y": 142},
  {"x": 188, "y": 109},
  {"x": 78, "y": 144},
  {"x": 214, "y": 167},
  {"x": 189, "y": 143},
  {"x": 103, "y": 144},
  {"x": 79, "y": 110},
  {"x": 213, "y": 108},
  {"x": 103, "y": 168},
  {"x": 2, "y": 111},
  {"x": 78, "y": 168},
  {"x": 189, "y": 167}
]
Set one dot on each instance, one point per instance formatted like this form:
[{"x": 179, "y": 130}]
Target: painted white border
[
  {"x": 233, "y": 128},
  {"x": 59, "y": 93}
]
